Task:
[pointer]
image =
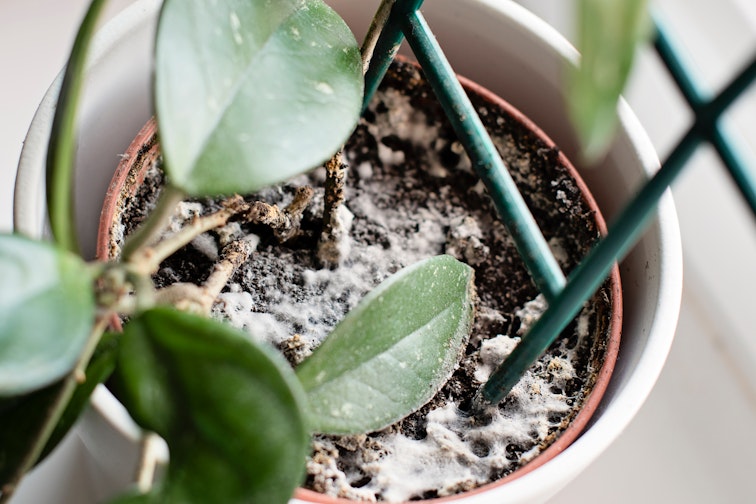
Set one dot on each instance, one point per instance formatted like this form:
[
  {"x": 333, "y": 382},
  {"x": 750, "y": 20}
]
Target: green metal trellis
[{"x": 565, "y": 296}]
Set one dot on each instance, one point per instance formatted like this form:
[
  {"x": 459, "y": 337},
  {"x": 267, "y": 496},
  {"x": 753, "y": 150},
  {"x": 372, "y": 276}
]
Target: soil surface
[{"x": 411, "y": 193}]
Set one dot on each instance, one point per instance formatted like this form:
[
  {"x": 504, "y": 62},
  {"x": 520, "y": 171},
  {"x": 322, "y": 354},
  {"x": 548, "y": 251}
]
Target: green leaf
[
  {"x": 22, "y": 418},
  {"x": 46, "y": 313},
  {"x": 608, "y": 33},
  {"x": 252, "y": 92},
  {"x": 230, "y": 411},
  {"x": 392, "y": 353}
]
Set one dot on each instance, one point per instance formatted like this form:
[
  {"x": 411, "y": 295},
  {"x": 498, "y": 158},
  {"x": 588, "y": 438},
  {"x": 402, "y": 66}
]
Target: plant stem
[
  {"x": 234, "y": 255},
  {"x": 61, "y": 151},
  {"x": 67, "y": 387},
  {"x": 200, "y": 299},
  {"x": 376, "y": 27},
  {"x": 328, "y": 250},
  {"x": 144, "y": 260}
]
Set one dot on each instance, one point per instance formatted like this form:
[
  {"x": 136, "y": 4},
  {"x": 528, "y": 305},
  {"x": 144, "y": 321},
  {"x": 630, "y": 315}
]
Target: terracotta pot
[
  {"x": 145, "y": 150},
  {"x": 529, "y": 58}
]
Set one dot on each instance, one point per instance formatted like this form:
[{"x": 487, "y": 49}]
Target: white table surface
[{"x": 693, "y": 440}]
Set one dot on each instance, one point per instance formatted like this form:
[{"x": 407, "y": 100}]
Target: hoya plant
[{"x": 248, "y": 93}]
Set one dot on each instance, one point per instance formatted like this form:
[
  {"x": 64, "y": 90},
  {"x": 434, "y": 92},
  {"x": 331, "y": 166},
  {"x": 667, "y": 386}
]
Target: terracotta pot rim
[{"x": 145, "y": 148}]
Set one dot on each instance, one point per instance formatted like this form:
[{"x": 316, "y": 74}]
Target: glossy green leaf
[
  {"x": 230, "y": 411},
  {"x": 608, "y": 33},
  {"x": 46, "y": 313},
  {"x": 252, "y": 92},
  {"x": 392, "y": 353},
  {"x": 22, "y": 418}
]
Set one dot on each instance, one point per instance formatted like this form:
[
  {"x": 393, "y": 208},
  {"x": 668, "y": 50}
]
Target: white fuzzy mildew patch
[
  {"x": 206, "y": 244},
  {"x": 493, "y": 351},
  {"x": 464, "y": 241},
  {"x": 185, "y": 212},
  {"x": 530, "y": 313}
]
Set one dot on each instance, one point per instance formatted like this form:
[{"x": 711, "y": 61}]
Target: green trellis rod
[
  {"x": 708, "y": 111},
  {"x": 565, "y": 298},
  {"x": 632, "y": 221},
  {"x": 406, "y": 20}
]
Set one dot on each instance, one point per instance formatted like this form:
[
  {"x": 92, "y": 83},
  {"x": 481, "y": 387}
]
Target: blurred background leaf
[{"x": 609, "y": 32}]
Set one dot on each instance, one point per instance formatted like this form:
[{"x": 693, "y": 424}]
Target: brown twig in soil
[
  {"x": 147, "y": 259},
  {"x": 329, "y": 246},
  {"x": 376, "y": 27},
  {"x": 200, "y": 298},
  {"x": 285, "y": 223}
]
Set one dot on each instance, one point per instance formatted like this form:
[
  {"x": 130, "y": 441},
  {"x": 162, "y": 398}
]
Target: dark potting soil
[{"x": 411, "y": 194}]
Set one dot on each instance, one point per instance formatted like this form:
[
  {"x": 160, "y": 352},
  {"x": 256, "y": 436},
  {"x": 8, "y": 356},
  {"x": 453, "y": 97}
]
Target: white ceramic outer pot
[{"x": 494, "y": 42}]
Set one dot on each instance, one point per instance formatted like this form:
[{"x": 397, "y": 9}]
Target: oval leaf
[
  {"x": 256, "y": 92},
  {"x": 608, "y": 33},
  {"x": 46, "y": 313},
  {"x": 392, "y": 353},
  {"x": 229, "y": 410}
]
